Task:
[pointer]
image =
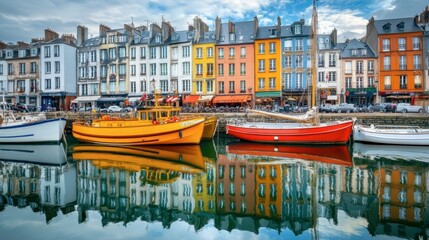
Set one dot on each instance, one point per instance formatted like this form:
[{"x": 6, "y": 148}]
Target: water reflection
[
  {"x": 293, "y": 190},
  {"x": 37, "y": 176}
]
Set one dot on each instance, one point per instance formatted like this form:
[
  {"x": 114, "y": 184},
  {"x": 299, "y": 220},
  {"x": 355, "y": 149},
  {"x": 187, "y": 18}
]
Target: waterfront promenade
[{"x": 409, "y": 119}]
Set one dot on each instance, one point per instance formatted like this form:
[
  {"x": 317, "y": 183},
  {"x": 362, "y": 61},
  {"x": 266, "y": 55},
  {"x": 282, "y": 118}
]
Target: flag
[{"x": 143, "y": 98}]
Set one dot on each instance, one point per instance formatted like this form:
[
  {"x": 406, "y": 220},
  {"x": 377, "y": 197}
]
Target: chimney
[
  {"x": 69, "y": 38},
  {"x": 50, "y": 35},
  {"x": 2, "y": 45},
  {"x": 231, "y": 27},
  {"x": 22, "y": 44},
  {"x": 167, "y": 31},
  {"x": 218, "y": 25},
  {"x": 82, "y": 35},
  {"x": 334, "y": 36},
  {"x": 37, "y": 40},
  {"x": 103, "y": 29},
  {"x": 279, "y": 26},
  {"x": 255, "y": 25}
]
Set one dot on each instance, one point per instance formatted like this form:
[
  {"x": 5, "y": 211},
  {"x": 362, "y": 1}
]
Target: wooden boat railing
[{"x": 396, "y": 126}]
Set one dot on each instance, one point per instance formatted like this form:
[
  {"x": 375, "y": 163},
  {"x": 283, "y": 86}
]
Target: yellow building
[{"x": 268, "y": 84}]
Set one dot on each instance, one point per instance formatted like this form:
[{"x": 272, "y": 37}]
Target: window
[
  {"x": 299, "y": 45},
  {"x": 386, "y": 45},
  {"x": 186, "y": 68},
  {"x": 401, "y": 44},
  {"x": 231, "y": 69},
  {"x": 288, "y": 80},
  {"x": 21, "y": 68},
  {"x": 1, "y": 69},
  {"x": 387, "y": 83},
  {"x": 416, "y": 43},
  {"x": 209, "y": 52},
  {"x": 220, "y": 69},
  {"x": 321, "y": 60},
  {"x": 417, "y": 63},
  {"x": 57, "y": 83},
  {"x": 243, "y": 86},
  {"x": 48, "y": 83},
  {"x": 199, "y": 85},
  {"x": 143, "y": 86},
  {"x": 47, "y": 51},
  {"x": 142, "y": 69},
  {"x": 370, "y": 66},
  {"x": 133, "y": 70},
  {"x": 272, "y": 65},
  {"x": 57, "y": 67},
  {"x": 112, "y": 53},
  {"x": 186, "y": 51},
  {"x": 321, "y": 76},
  {"x": 47, "y": 67},
  {"x": 299, "y": 82},
  {"x": 133, "y": 53},
  {"x": 243, "y": 52},
  {"x": 417, "y": 81},
  {"x": 371, "y": 82},
  {"x": 231, "y": 87},
  {"x": 332, "y": 76},
  {"x": 288, "y": 45},
  {"x": 386, "y": 65},
  {"x": 210, "y": 86},
  {"x": 348, "y": 68},
  {"x": 94, "y": 56},
  {"x": 10, "y": 69},
  {"x": 210, "y": 69},
  {"x": 142, "y": 53},
  {"x": 299, "y": 61},
  {"x": 231, "y": 52},
  {"x": 272, "y": 82},
  {"x": 164, "y": 69},
  {"x": 199, "y": 53},
  {"x": 348, "y": 82},
  {"x": 220, "y": 53},
  {"x": 221, "y": 87},
  {"x": 403, "y": 82},
  {"x": 163, "y": 52},
  {"x": 359, "y": 82},
  {"x": 199, "y": 70},
  {"x": 332, "y": 60},
  {"x": 242, "y": 68},
  {"x": 164, "y": 85},
  {"x": 402, "y": 62},
  {"x": 272, "y": 47},
  {"x": 288, "y": 61},
  {"x": 56, "y": 50},
  {"x": 261, "y": 65},
  {"x": 152, "y": 69},
  {"x": 152, "y": 53},
  {"x": 261, "y": 83},
  {"x": 359, "y": 67},
  {"x": 186, "y": 85},
  {"x": 261, "y": 48}
]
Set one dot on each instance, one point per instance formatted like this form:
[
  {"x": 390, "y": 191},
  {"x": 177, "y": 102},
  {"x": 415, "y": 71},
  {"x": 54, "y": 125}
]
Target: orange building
[
  {"x": 235, "y": 65},
  {"x": 398, "y": 44}
]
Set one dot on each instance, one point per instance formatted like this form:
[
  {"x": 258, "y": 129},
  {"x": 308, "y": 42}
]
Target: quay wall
[{"x": 409, "y": 119}]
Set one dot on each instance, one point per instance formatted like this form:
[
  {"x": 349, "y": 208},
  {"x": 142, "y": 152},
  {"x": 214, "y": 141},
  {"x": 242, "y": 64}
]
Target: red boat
[
  {"x": 333, "y": 154},
  {"x": 298, "y": 133}
]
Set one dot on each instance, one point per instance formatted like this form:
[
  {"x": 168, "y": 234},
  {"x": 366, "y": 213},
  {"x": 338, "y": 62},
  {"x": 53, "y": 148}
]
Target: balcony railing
[
  {"x": 402, "y": 67},
  {"x": 417, "y": 85},
  {"x": 388, "y": 87},
  {"x": 403, "y": 86}
]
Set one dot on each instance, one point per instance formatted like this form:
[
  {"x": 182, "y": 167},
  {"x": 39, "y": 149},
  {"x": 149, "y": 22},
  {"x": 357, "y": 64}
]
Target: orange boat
[
  {"x": 183, "y": 158},
  {"x": 146, "y": 126},
  {"x": 333, "y": 154},
  {"x": 210, "y": 125}
]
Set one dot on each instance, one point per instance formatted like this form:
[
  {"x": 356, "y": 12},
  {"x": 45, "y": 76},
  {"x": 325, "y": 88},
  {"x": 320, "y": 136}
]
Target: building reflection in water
[
  {"x": 37, "y": 176},
  {"x": 242, "y": 186}
]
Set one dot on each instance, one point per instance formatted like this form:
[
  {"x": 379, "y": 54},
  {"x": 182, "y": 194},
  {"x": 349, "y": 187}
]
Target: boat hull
[
  {"x": 183, "y": 132},
  {"x": 416, "y": 137},
  {"x": 210, "y": 126},
  {"x": 42, "y": 154},
  {"x": 334, "y": 133},
  {"x": 391, "y": 152},
  {"x": 50, "y": 130}
]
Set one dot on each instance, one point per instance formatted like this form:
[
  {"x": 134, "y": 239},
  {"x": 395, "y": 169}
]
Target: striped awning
[{"x": 231, "y": 99}]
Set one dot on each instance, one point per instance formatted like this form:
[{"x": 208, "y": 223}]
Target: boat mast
[{"x": 314, "y": 56}]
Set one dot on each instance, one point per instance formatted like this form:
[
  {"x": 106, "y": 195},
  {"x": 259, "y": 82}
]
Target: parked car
[
  {"x": 346, "y": 108},
  {"x": 378, "y": 107},
  {"x": 406, "y": 107},
  {"x": 326, "y": 108},
  {"x": 114, "y": 108},
  {"x": 127, "y": 109},
  {"x": 390, "y": 107}
]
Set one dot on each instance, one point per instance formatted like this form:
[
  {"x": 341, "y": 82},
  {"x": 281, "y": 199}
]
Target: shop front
[
  {"x": 361, "y": 96},
  {"x": 111, "y": 99},
  {"x": 54, "y": 101}
]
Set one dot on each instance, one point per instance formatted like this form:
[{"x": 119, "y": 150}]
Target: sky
[{"x": 22, "y": 20}]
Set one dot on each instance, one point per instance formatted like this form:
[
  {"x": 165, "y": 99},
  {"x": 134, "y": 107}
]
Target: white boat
[
  {"x": 43, "y": 154},
  {"x": 30, "y": 129},
  {"x": 391, "y": 152},
  {"x": 387, "y": 134}
]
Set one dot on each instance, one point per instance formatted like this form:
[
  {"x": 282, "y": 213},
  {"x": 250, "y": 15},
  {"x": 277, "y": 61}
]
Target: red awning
[
  {"x": 172, "y": 99},
  {"x": 191, "y": 99},
  {"x": 231, "y": 99}
]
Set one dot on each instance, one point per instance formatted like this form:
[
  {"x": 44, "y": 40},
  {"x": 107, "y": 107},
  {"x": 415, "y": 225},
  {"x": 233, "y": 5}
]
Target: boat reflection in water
[
  {"x": 334, "y": 154},
  {"x": 236, "y": 189},
  {"x": 392, "y": 152},
  {"x": 38, "y": 176}
]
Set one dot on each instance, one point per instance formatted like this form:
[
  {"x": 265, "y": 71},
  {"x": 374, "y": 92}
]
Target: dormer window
[
  {"x": 273, "y": 32},
  {"x": 9, "y": 54},
  {"x": 400, "y": 26},
  {"x": 354, "y": 52},
  {"x": 22, "y": 53},
  {"x": 386, "y": 27},
  {"x": 363, "y": 52},
  {"x": 232, "y": 37},
  {"x": 34, "y": 52},
  {"x": 190, "y": 35},
  {"x": 297, "y": 29},
  {"x": 158, "y": 39}
]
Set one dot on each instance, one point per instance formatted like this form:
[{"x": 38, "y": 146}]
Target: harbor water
[{"x": 220, "y": 189}]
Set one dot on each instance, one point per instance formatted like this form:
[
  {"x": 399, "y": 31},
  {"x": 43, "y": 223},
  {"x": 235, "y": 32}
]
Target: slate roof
[
  {"x": 397, "y": 25},
  {"x": 355, "y": 44},
  {"x": 243, "y": 33}
]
